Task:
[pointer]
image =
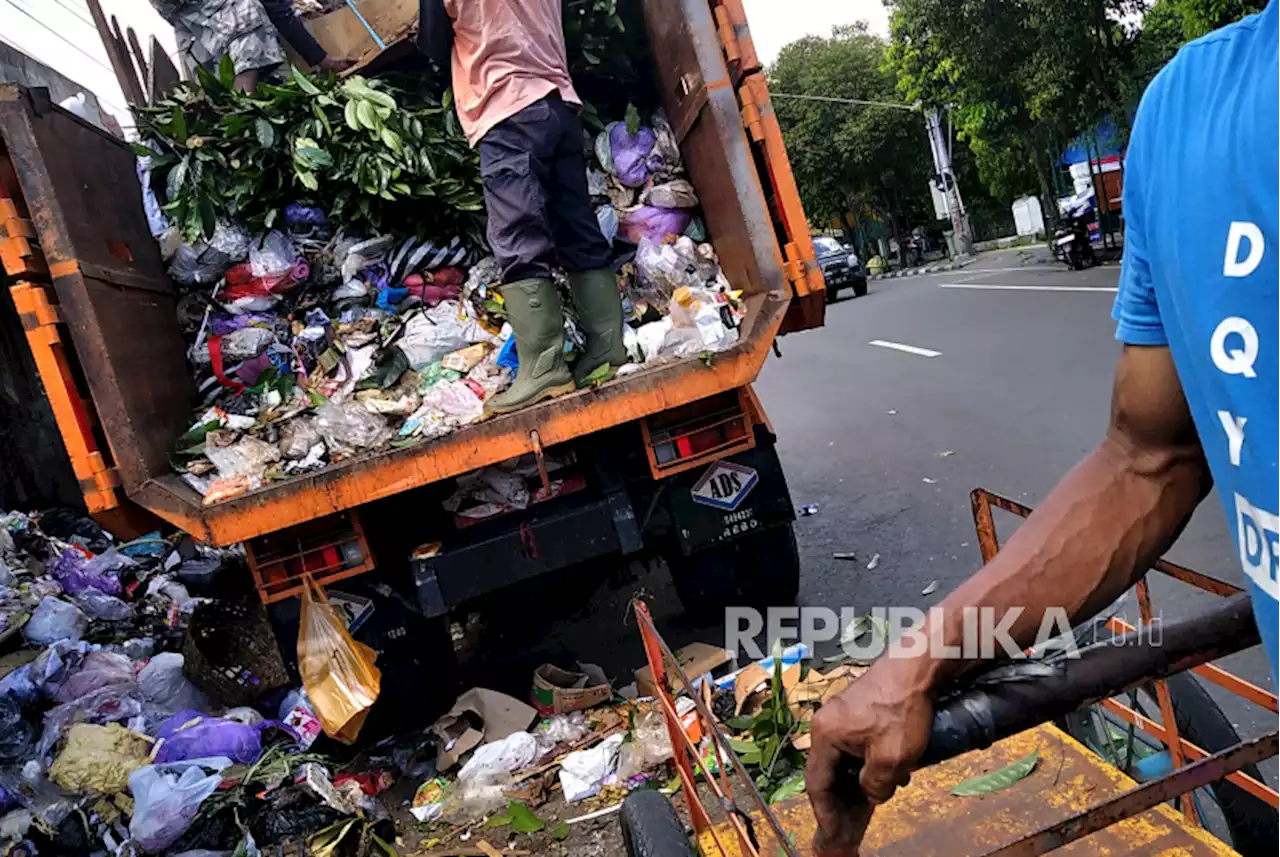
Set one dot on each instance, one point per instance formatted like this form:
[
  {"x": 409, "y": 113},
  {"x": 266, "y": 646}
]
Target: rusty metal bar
[
  {"x": 1142, "y": 798},
  {"x": 720, "y": 745},
  {"x": 1165, "y": 700},
  {"x": 1259, "y": 790}
]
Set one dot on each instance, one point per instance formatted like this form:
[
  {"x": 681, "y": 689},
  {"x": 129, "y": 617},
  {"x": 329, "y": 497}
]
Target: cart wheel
[
  {"x": 1226, "y": 810},
  {"x": 651, "y": 828}
]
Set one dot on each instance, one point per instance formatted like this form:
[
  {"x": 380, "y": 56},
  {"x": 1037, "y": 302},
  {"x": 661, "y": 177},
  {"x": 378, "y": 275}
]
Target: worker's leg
[
  {"x": 514, "y": 165},
  {"x": 584, "y": 251}
]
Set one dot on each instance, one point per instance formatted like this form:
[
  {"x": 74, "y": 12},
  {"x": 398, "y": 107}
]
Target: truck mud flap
[
  {"x": 729, "y": 499},
  {"x": 535, "y": 547}
]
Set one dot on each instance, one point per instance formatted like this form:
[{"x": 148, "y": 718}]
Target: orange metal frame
[
  {"x": 746, "y": 414},
  {"x": 272, "y": 589},
  {"x": 1180, "y": 750},
  {"x": 37, "y": 308}
]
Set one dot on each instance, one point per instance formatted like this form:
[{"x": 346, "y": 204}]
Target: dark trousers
[{"x": 535, "y": 190}]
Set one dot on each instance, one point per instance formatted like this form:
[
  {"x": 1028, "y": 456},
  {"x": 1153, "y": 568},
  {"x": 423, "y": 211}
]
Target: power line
[
  {"x": 913, "y": 108},
  {"x": 75, "y": 10},
  {"x": 106, "y": 102}
]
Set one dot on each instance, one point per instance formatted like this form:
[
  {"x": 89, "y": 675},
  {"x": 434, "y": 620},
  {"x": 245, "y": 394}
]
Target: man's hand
[
  {"x": 337, "y": 65},
  {"x": 883, "y": 720}
]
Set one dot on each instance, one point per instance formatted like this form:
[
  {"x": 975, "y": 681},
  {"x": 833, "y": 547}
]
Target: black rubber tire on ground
[
  {"x": 832, "y": 292},
  {"x": 651, "y": 828},
  {"x": 860, "y": 288},
  {"x": 1252, "y": 824},
  {"x": 758, "y": 570}
]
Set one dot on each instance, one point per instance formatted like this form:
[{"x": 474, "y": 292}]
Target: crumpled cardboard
[
  {"x": 477, "y": 717},
  {"x": 695, "y": 659},
  {"x": 99, "y": 758}
]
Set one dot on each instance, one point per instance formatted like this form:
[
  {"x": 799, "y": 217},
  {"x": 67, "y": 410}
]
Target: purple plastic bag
[
  {"x": 192, "y": 735},
  {"x": 631, "y": 153},
  {"x": 654, "y": 224},
  {"x": 77, "y": 574},
  {"x": 296, "y": 214}
]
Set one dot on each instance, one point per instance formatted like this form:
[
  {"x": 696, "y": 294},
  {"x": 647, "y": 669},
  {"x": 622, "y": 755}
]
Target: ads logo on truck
[{"x": 724, "y": 485}]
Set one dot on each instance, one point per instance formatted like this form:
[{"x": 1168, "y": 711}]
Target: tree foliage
[{"x": 864, "y": 159}]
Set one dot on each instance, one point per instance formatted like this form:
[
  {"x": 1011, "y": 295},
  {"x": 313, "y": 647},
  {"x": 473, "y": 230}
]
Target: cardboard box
[
  {"x": 695, "y": 659},
  {"x": 557, "y": 691}
]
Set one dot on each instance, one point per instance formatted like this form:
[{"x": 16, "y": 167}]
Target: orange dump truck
[{"x": 677, "y": 460}]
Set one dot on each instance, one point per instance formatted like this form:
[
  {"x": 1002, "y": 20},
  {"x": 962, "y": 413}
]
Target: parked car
[{"x": 840, "y": 267}]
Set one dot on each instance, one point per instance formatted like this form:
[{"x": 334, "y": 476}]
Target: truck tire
[
  {"x": 860, "y": 288},
  {"x": 758, "y": 570},
  {"x": 651, "y": 828},
  {"x": 1251, "y": 824}
]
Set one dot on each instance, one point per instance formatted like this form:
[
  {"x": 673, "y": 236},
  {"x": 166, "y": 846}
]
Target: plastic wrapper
[
  {"x": 166, "y": 799},
  {"x": 41, "y": 678},
  {"x": 166, "y": 689},
  {"x": 247, "y": 456},
  {"x": 457, "y": 400},
  {"x": 649, "y": 747},
  {"x": 491, "y": 377},
  {"x": 560, "y": 730},
  {"x": 678, "y": 193},
  {"x": 653, "y": 224},
  {"x": 337, "y": 672},
  {"x": 607, "y": 217},
  {"x": 650, "y": 338},
  {"x": 204, "y": 263},
  {"x": 243, "y": 344},
  {"x": 297, "y": 436},
  {"x": 192, "y": 735},
  {"x": 54, "y": 620},
  {"x": 97, "y": 670},
  {"x": 630, "y": 153},
  {"x": 272, "y": 255},
  {"x": 349, "y": 428}
]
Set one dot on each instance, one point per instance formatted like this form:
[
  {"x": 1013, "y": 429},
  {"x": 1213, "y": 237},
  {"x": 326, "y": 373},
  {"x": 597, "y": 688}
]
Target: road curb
[{"x": 926, "y": 269}]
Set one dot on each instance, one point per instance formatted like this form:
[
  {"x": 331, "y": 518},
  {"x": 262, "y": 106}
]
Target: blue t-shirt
[{"x": 1199, "y": 274}]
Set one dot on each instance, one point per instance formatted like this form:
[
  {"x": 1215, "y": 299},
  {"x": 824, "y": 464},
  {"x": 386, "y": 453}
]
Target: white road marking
[
  {"x": 995, "y": 287},
  {"x": 910, "y": 349}
]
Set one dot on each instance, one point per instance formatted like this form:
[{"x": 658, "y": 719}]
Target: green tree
[{"x": 868, "y": 160}]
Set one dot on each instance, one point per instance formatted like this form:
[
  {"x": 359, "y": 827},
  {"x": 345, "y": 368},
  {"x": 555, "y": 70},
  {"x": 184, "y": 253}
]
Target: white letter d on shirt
[{"x": 1231, "y": 264}]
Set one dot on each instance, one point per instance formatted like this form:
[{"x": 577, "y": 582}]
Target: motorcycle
[{"x": 1071, "y": 244}]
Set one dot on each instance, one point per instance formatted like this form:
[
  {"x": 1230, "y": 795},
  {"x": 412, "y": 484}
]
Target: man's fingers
[{"x": 882, "y": 774}]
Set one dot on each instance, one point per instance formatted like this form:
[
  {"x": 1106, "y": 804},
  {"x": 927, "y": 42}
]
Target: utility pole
[{"x": 950, "y": 187}]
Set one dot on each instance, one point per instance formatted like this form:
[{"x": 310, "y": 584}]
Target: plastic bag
[
  {"x": 630, "y": 153},
  {"x": 349, "y": 427},
  {"x": 297, "y": 436},
  {"x": 455, "y": 399},
  {"x": 192, "y": 735},
  {"x": 296, "y": 214},
  {"x": 337, "y": 672},
  {"x": 99, "y": 758},
  {"x": 650, "y": 745},
  {"x": 111, "y": 703},
  {"x": 248, "y": 456},
  {"x": 77, "y": 573},
  {"x": 166, "y": 799},
  {"x": 100, "y": 605},
  {"x": 585, "y": 772},
  {"x": 54, "y": 620},
  {"x": 16, "y": 733},
  {"x": 677, "y": 193},
  {"x": 273, "y": 254},
  {"x": 561, "y": 729},
  {"x": 97, "y": 670},
  {"x": 166, "y": 689},
  {"x": 652, "y": 223},
  {"x": 650, "y": 337},
  {"x": 496, "y": 760},
  {"x": 42, "y": 677},
  {"x": 442, "y": 329},
  {"x": 607, "y": 217}
]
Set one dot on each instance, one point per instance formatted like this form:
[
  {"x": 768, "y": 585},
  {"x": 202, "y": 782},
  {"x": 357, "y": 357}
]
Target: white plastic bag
[
  {"x": 349, "y": 427},
  {"x": 496, "y": 760},
  {"x": 584, "y": 773},
  {"x": 54, "y": 620},
  {"x": 272, "y": 255},
  {"x": 166, "y": 689},
  {"x": 442, "y": 329},
  {"x": 167, "y": 797},
  {"x": 456, "y": 400}
]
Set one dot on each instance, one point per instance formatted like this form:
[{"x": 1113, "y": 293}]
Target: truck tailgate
[{"x": 75, "y": 187}]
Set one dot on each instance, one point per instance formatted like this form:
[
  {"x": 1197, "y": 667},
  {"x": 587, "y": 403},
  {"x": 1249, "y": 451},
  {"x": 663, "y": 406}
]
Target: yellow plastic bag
[{"x": 337, "y": 672}]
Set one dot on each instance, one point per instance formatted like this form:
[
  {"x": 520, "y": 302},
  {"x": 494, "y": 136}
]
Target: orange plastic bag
[{"x": 337, "y": 672}]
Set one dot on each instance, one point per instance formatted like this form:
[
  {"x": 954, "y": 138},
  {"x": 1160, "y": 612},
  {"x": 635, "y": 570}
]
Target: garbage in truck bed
[{"x": 316, "y": 341}]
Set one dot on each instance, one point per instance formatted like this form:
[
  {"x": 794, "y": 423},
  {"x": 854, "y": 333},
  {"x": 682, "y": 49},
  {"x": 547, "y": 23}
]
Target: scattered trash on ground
[
  {"x": 807, "y": 510},
  {"x": 847, "y": 556},
  {"x": 930, "y": 589},
  {"x": 927, "y": 481},
  {"x": 873, "y": 562},
  {"x": 946, "y": 453}
]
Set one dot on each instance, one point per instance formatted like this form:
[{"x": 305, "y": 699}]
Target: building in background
[{"x": 60, "y": 35}]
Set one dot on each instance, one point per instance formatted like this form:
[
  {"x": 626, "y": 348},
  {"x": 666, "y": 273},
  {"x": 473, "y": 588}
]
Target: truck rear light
[
  {"x": 704, "y": 431},
  {"x": 326, "y": 549}
]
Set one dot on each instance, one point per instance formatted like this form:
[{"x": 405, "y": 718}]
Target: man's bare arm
[{"x": 1098, "y": 530}]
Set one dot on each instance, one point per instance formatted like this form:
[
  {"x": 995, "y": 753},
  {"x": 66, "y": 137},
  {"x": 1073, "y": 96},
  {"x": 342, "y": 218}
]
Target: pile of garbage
[{"x": 311, "y": 343}]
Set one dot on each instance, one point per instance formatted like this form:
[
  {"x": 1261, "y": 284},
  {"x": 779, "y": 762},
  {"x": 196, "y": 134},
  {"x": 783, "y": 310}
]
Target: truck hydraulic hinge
[
  {"x": 20, "y": 254},
  {"x": 795, "y": 268},
  {"x": 735, "y": 38},
  {"x": 754, "y": 101}
]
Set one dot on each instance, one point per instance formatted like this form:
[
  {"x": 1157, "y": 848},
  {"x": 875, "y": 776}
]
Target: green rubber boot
[
  {"x": 595, "y": 294},
  {"x": 533, "y": 308}
]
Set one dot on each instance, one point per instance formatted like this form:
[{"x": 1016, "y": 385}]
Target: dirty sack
[{"x": 99, "y": 758}]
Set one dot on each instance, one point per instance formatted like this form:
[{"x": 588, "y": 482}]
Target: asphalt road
[{"x": 889, "y": 443}]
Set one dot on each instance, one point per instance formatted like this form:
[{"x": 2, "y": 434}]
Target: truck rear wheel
[
  {"x": 758, "y": 570},
  {"x": 651, "y": 828}
]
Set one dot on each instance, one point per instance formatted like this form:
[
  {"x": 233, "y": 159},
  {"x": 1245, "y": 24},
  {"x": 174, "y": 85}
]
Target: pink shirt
[{"x": 507, "y": 54}]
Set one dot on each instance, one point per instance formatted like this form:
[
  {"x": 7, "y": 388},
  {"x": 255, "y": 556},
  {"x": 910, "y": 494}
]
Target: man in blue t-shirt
[{"x": 1194, "y": 403}]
